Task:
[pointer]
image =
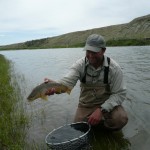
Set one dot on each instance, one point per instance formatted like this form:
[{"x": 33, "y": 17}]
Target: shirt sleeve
[
  {"x": 117, "y": 88},
  {"x": 74, "y": 74}
]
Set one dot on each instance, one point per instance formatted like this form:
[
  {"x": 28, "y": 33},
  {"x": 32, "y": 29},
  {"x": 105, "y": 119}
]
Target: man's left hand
[{"x": 95, "y": 117}]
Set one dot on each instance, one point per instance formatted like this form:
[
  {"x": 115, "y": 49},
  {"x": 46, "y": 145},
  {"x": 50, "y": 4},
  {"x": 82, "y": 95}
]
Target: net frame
[{"x": 73, "y": 144}]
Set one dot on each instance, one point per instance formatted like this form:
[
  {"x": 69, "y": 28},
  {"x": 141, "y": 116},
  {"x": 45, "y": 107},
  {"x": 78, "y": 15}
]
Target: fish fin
[
  {"x": 68, "y": 91},
  {"x": 45, "y": 97}
]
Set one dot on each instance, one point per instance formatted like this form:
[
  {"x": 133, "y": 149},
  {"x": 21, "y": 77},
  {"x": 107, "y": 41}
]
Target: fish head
[
  {"x": 37, "y": 92},
  {"x": 33, "y": 95}
]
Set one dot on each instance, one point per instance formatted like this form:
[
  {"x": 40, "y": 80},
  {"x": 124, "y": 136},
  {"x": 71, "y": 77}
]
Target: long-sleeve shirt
[{"x": 115, "y": 80}]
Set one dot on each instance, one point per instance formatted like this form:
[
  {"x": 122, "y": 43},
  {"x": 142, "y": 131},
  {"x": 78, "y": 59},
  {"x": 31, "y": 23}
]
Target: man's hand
[
  {"x": 46, "y": 80},
  {"x": 95, "y": 117},
  {"x": 52, "y": 91}
]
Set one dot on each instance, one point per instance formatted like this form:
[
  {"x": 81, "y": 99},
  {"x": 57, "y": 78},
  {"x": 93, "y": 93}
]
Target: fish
[{"x": 40, "y": 90}]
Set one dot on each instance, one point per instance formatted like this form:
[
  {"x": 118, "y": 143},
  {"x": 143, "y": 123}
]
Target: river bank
[
  {"x": 13, "y": 119},
  {"x": 35, "y": 44}
]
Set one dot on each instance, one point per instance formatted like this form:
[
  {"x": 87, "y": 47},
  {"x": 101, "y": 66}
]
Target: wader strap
[
  {"x": 106, "y": 71},
  {"x": 84, "y": 77}
]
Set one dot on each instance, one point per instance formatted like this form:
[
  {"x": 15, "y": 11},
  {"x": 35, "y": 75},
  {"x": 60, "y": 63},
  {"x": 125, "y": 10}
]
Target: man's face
[{"x": 95, "y": 58}]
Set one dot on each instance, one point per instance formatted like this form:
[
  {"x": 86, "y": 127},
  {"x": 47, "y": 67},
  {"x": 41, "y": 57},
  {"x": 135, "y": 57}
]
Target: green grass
[
  {"x": 128, "y": 42},
  {"x": 13, "y": 119},
  {"x": 107, "y": 140},
  {"x": 38, "y": 44}
]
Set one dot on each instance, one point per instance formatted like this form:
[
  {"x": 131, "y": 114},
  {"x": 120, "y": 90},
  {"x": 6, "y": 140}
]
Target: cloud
[{"x": 55, "y": 17}]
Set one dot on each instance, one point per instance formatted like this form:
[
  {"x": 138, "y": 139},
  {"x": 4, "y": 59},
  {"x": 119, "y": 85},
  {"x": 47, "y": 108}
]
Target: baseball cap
[{"x": 94, "y": 43}]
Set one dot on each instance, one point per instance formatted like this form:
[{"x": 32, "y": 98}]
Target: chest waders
[{"x": 95, "y": 93}]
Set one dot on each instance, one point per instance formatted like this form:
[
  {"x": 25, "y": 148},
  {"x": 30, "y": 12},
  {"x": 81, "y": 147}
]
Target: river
[{"x": 32, "y": 66}]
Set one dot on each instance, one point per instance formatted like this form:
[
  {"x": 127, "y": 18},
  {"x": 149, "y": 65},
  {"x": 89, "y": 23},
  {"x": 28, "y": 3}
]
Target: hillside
[{"x": 136, "y": 32}]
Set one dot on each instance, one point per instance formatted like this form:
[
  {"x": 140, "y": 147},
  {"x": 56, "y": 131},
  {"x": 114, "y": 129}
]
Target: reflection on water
[{"x": 32, "y": 66}]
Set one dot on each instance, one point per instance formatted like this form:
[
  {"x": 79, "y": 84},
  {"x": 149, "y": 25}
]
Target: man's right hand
[
  {"x": 52, "y": 91},
  {"x": 46, "y": 80}
]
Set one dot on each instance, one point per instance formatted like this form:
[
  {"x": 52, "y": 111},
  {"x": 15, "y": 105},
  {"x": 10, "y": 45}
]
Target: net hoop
[{"x": 81, "y": 140}]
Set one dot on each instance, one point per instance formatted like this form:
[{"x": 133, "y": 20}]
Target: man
[{"x": 102, "y": 86}]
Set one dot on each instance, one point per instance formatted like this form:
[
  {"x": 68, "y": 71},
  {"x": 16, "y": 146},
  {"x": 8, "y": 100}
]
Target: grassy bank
[
  {"x": 13, "y": 120},
  {"x": 129, "y": 42},
  {"x": 38, "y": 44}
]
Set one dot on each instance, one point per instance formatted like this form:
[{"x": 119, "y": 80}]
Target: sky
[{"x": 25, "y": 20}]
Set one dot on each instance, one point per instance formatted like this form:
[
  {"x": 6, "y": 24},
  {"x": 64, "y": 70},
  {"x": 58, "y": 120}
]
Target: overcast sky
[{"x": 24, "y": 20}]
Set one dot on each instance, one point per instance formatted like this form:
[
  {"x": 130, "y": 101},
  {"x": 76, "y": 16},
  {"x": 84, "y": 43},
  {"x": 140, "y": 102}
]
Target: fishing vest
[{"x": 95, "y": 93}]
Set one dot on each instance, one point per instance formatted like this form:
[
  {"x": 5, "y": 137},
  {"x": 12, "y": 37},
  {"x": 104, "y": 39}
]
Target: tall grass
[
  {"x": 107, "y": 140},
  {"x": 13, "y": 119}
]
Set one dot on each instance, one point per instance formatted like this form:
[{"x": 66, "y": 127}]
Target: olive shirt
[{"x": 115, "y": 80}]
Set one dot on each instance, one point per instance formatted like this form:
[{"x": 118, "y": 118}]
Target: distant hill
[{"x": 136, "y": 32}]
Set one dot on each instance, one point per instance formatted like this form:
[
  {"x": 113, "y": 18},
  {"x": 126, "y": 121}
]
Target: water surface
[{"x": 32, "y": 66}]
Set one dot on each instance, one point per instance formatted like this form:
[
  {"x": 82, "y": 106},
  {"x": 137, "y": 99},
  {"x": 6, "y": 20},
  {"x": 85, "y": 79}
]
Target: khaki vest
[{"x": 93, "y": 94}]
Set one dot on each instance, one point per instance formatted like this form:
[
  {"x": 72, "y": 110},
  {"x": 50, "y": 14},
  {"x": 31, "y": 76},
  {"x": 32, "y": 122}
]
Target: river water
[{"x": 32, "y": 66}]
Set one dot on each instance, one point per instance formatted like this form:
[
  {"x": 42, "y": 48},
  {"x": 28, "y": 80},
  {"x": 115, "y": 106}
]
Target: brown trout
[{"x": 40, "y": 90}]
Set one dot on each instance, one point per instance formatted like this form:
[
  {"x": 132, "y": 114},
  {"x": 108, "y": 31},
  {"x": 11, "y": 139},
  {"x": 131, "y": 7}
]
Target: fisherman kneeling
[{"x": 102, "y": 86}]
